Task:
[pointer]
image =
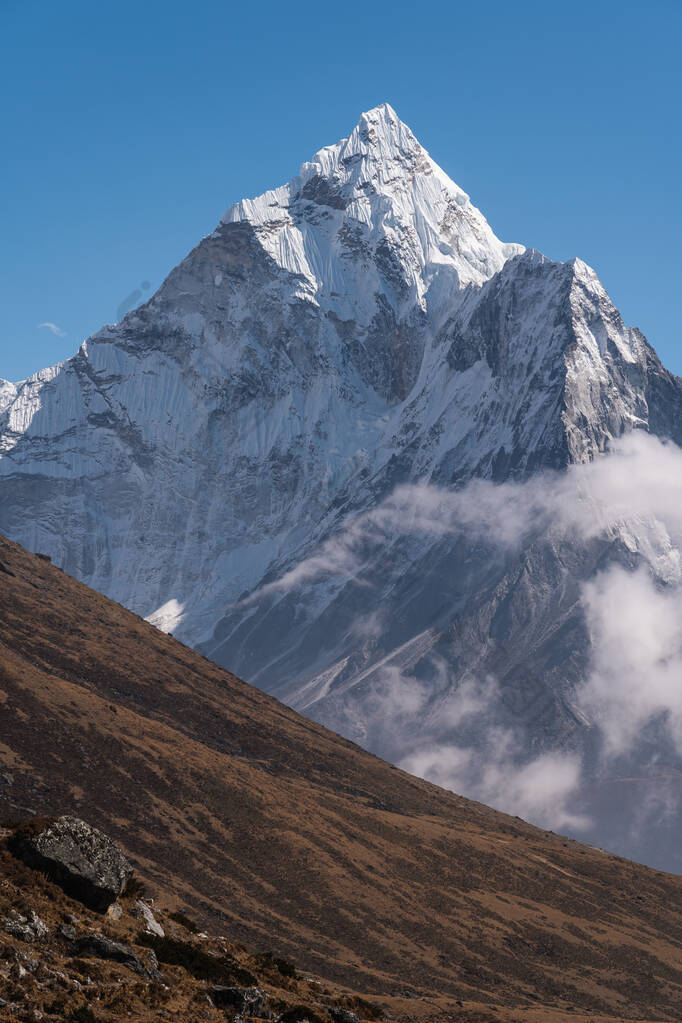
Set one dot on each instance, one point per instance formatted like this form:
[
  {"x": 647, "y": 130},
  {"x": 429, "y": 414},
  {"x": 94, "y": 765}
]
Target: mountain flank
[
  {"x": 282, "y": 836},
  {"x": 356, "y": 333}
]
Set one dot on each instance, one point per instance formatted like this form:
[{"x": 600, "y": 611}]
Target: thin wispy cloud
[
  {"x": 462, "y": 745},
  {"x": 635, "y": 493},
  {"x": 57, "y": 331}
]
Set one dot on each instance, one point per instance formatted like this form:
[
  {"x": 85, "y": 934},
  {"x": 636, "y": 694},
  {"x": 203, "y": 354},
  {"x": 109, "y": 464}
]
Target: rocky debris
[
  {"x": 71, "y": 968},
  {"x": 97, "y": 946},
  {"x": 246, "y": 1001},
  {"x": 81, "y": 859},
  {"x": 341, "y": 1015},
  {"x": 67, "y": 932},
  {"x": 144, "y": 913},
  {"x": 27, "y": 928}
]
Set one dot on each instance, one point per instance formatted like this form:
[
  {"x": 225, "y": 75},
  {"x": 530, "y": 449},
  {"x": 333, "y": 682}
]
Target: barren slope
[{"x": 285, "y": 836}]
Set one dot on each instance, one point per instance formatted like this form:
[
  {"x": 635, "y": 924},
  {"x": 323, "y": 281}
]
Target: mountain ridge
[{"x": 352, "y": 332}]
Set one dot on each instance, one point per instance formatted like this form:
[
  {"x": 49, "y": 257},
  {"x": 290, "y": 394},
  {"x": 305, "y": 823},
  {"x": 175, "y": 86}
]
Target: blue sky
[{"x": 128, "y": 129}]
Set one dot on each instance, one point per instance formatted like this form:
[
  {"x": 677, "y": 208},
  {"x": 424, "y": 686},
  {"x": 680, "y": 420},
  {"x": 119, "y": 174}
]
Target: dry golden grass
[{"x": 285, "y": 837}]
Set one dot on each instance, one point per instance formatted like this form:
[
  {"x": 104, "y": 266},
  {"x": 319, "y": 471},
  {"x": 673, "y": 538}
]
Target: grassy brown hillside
[
  {"x": 68, "y": 963},
  {"x": 279, "y": 834}
]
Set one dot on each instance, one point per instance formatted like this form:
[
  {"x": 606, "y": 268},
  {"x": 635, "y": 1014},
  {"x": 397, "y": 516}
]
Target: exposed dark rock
[
  {"x": 321, "y": 191},
  {"x": 153, "y": 966},
  {"x": 299, "y": 1014},
  {"x": 250, "y": 1001},
  {"x": 81, "y": 859},
  {"x": 341, "y": 1015},
  {"x": 227, "y": 997},
  {"x": 98, "y": 946},
  {"x": 216, "y": 969}
]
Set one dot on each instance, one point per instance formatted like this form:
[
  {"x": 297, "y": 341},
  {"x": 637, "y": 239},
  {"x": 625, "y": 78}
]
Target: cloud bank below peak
[{"x": 630, "y": 693}]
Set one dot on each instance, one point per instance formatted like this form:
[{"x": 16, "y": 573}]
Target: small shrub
[
  {"x": 83, "y": 1015},
  {"x": 367, "y": 1009},
  {"x": 14, "y": 992},
  {"x": 217, "y": 969},
  {"x": 119, "y": 1001},
  {"x": 286, "y": 968},
  {"x": 297, "y": 1013},
  {"x": 181, "y": 918},
  {"x": 269, "y": 960},
  {"x": 10, "y": 822},
  {"x": 135, "y": 889}
]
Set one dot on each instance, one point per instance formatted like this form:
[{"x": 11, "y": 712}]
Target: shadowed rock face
[
  {"x": 87, "y": 864},
  {"x": 354, "y": 330}
]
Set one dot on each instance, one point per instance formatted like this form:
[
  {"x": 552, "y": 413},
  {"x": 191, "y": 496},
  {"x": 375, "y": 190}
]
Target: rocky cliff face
[{"x": 358, "y": 329}]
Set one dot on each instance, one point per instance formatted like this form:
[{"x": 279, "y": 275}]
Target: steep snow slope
[
  {"x": 269, "y": 372},
  {"x": 357, "y": 329}
]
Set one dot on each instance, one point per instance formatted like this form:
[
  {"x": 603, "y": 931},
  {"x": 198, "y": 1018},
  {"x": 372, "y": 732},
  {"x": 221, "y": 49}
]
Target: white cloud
[
  {"x": 540, "y": 790},
  {"x": 636, "y": 674},
  {"x": 634, "y": 495},
  {"x": 458, "y": 746},
  {"x": 57, "y": 331},
  {"x": 635, "y": 492}
]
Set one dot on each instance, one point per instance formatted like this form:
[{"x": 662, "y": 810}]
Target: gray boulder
[{"x": 81, "y": 859}]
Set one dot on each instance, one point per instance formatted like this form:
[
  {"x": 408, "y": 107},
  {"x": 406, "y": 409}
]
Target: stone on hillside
[
  {"x": 151, "y": 924},
  {"x": 153, "y": 970},
  {"x": 115, "y": 911},
  {"x": 27, "y": 928},
  {"x": 81, "y": 859},
  {"x": 299, "y": 1014}
]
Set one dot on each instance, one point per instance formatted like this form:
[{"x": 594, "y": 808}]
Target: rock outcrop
[
  {"x": 102, "y": 969},
  {"x": 84, "y": 861},
  {"x": 28, "y": 928},
  {"x": 143, "y": 912}
]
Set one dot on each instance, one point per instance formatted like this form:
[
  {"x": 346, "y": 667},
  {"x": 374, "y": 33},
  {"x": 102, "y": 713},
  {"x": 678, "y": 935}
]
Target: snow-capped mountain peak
[
  {"x": 358, "y": 328},
  {"x": 376, "y": 189}
]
